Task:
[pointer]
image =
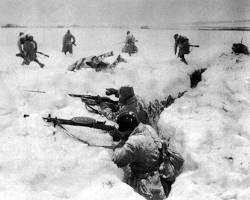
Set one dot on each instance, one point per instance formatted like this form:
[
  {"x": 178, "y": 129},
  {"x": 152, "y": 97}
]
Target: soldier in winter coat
[
  {"x": 29, "y": 50},
  {"x": 141, "y": 153},
  {"x": 130, "y": 44},
  {"x": 68, "y": 41},
  {"x": 127, "y": 102},
  {"x": 184, "y": 47}
]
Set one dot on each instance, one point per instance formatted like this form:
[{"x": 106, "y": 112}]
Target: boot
[
  {"x": 184, "y": 60},
  {"x": 41, "y": 65}
]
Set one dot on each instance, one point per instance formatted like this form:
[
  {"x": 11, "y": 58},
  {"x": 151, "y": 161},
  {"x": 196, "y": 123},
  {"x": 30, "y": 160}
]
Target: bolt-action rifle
[
  {"x": 87, "y": 122},
  {"x": 80, "y": 121},
  {"x": 90, "y": 100}
]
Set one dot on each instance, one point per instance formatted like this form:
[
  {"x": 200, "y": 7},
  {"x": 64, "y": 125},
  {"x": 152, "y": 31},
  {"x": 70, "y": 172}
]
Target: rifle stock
[{"x": 46, "y": 55}]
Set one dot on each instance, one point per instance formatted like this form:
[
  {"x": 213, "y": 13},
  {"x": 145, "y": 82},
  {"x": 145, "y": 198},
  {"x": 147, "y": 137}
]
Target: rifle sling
[{"x": 79, "y": 139}]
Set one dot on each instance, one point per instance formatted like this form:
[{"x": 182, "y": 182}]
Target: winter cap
[{"x": 125, "y": 93}]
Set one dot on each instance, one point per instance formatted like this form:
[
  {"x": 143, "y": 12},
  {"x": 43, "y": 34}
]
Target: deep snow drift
[{"x": 209, "y": 125}]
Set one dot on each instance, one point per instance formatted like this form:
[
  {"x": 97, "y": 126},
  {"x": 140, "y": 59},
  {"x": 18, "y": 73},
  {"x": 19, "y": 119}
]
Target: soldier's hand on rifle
[
  {"x": 115, "y": 135},
  {"x": 98, "y": 100}
]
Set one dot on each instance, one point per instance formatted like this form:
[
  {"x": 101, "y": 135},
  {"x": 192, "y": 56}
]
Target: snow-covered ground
[{"x": 209, "y": 125}]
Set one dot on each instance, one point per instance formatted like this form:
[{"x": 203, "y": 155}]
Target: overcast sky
[{"x": 120, "y": 12}]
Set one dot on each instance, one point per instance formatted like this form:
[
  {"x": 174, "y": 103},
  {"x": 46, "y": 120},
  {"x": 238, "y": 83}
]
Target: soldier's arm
[
  {"x": 74, "y": 39},
  {"x": 107, "y": 112},
  {"x": 35, "y": 45},
  {"x": 19, "y": 45},
  {"x": 124, "y": 155}
]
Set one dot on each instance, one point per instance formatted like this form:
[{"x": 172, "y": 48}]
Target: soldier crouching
[{"x": 141, "y": 153}]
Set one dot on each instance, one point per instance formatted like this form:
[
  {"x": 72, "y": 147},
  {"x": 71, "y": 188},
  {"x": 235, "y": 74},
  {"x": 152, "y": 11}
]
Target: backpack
[{"x": 171, "y": 164}]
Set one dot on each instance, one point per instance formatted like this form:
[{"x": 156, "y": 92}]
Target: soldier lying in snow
[
  {"x": 127, "y": 102},
  {"x": 96, "y": 62},
  {"x": 239, "y": 48},
  {"x": 147, "y": 113}
]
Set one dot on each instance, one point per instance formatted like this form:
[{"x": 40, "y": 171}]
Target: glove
[
  {"x": 98, "y": 100},
  {"x": 111, "y": 91}
]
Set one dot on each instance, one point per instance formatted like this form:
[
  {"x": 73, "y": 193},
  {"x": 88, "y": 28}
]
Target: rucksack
[{"x": 171, "y": 164}]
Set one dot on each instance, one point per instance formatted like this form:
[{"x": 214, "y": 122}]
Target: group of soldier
[
  {"x": 27, "y": 47},
  {"x": 139, "y": 149}
]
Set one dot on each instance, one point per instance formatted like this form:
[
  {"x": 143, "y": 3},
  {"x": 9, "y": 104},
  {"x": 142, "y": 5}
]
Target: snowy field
[{"x": 209, "y": 125}]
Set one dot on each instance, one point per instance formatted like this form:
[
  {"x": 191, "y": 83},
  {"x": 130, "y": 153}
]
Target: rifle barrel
[
  {"x": 38, "y": 91},
  {"x": 75, "y": 95},
  {"x": 103, "y": 99},
  {"x": 192, "y": 45}
]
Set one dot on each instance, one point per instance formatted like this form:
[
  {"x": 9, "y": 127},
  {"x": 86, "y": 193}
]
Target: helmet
[
  {"x": 127, "y": 121},
  {"x": 21, "y": 33},
  {"x": 175, "y": 36},
  {"x": 128, "y": 32}
]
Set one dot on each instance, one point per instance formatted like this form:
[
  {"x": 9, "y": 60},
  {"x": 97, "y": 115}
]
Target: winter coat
[
  {"x": 183, "y": 43},
  {"x": 141, "y": 153},
  {"x": 30, "y": 49},
  {"x": 68, "y": 41},
  {"x": 130, "y": 46},
  {"x": 130, "y": 39}
]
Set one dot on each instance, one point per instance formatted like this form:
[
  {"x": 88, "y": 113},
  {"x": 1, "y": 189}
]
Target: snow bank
[{"x": 210, "y": 126}]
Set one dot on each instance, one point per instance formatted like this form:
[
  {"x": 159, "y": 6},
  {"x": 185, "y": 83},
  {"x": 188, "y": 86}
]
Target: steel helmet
[{"x": 127, "y": 121}]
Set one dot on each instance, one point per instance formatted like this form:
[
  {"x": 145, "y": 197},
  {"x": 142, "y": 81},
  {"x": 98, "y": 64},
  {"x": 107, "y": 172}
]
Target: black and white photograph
[{"x": 124, "y": 100}]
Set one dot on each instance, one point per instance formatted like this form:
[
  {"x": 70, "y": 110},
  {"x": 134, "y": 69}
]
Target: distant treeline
[
  {"x": 172, "y": 27},
  {"x": 12, "y": 26},
  {"x": 225, "y": 28}
]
